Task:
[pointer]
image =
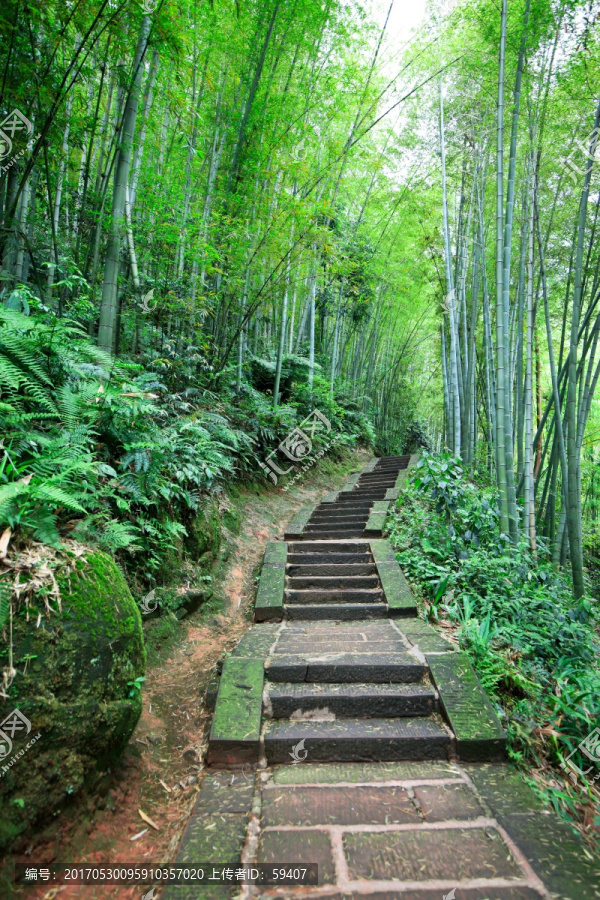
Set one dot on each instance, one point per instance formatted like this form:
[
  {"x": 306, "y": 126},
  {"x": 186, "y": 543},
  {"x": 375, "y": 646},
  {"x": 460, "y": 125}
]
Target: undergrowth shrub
[
  {"x": 123, "y": 456},
  {"x": 535, "y": 648}
]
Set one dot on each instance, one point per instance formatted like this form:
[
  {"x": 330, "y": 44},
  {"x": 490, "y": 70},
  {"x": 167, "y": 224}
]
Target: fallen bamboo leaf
[
  {"x": 139, "y": 835},
  {"x": 166, "y": 786},
  {"x": 148, "y": 820},
  {"x": 4, "y": 539}
]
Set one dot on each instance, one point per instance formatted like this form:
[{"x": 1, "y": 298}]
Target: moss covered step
[
  {"x": 235, "y": 733},
  {"x": 335, "y": 582},
  {"x": 375, "y": 524},
  {"x": 348, "y": 503},
  {"x": 341, "y": 611},
  {"x": 347, "y": 740},
  {"x": 479, "y": 735},
  {"x": 317, "y": 546},
  {"x": 377, "y": 479},
  {"x": 339, "y": 517},
  {"x": 331, "y": 570},
  {"x": 298, "y": 523},
  {"x": 398, "y": 594},
  {"x": 333, "y": 596},
  {"x": 371, "y": 464},
  {"x": 334, "y": 525},
  {"x": 351, "y": 482},
  {"x": 310, "y": 559},
  {"x": 426, "y": 638},
  {"x": 333, "y": 533},
  {"x": 347, "y": 668},
  {"x": 350, "y": 700},
  {"x": 257, "y": 642},
  {"x": 215, "y": 830},
  {"x": 271, "y": 586}
]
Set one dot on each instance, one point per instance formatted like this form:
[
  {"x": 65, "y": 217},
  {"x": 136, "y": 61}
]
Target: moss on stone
[{"x": 72, "y": 684}]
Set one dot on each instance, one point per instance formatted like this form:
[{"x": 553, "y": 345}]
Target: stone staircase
[
  {"x": 332, "y": 580},
  {"x": 357, "y": 693},
  {"x": 342, "y": 668},
  {"x": 348, "y": 735}
]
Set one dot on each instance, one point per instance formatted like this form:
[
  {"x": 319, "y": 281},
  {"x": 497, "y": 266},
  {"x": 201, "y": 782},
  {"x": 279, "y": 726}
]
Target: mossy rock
[{"x": 72, "y": 684}]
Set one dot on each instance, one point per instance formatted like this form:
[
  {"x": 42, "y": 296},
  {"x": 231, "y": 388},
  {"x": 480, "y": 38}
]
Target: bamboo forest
[{"x": 299, "y": 350}]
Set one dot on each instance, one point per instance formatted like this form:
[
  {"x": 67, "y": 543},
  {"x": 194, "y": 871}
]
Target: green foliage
[
  {"x": 107, "y": 453},
  {"x": 535, "y": 648}
]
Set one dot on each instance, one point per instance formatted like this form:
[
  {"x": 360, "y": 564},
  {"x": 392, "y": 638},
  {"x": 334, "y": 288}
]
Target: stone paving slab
[
  {"x": 439, "y": 803},
  {"x": 349, "y": 773},
  {"x": 398, "y": 595},
  {"x": 375, "y": 524},
  {"x": 552, "y": 848},
  {"x": 257, "y": 642},
  {"x": 285, "y": 847},
  {"x": 504, "y": 790},
  {"x": 479, "y": 735},
  {"x": 275, "y": 553},
  {"x": 215, "y": 832},
  {"x": 453, "y": 854},
  {"x": 556, "y": 854},
  {"x": 271, "y": 587},
  {"x": 235, "y": 732},
  {"x": 423, "y": 636},
  {"x": 373, "y": 805},
  {"x": 298, "y": 523},
  {"x": 224, "y": 792}
]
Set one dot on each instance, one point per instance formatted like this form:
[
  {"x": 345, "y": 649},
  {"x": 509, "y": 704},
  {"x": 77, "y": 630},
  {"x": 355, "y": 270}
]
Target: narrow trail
[{"x": 350, "y": 734}]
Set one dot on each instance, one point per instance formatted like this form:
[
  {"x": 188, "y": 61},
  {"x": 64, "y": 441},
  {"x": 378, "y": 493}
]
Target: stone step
[
  {"x": 335, "y": 518},
  {"x": 329, "y": 547},
  {"x": 333, "y": 533},
  {"x": 370, "y": 480},
  {"x": 347, "y": 668},
  {"x": 304, "y": 597},
  {"x": 322, "y": 569},
  {"x": 345, "y": 502},
  {"x": 341, "y": 511},
  {"x": 334, "y": 582},
  {"x": 342, "y": 611},
  {"x": 345, "y": 499},
  {"x": 287, "y": 700},
  {"x": 346, "y": 524},
  {"x": 309, "y": 559},
  {"x": 358, "y": 740},
  {"x": 369, "y": 491}
]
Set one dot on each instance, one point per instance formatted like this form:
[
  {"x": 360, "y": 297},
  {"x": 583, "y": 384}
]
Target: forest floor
[{"x": 160, "y": 772}]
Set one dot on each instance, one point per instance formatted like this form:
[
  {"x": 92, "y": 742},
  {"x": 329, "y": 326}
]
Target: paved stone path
[{"x": 349, "y": 733}]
